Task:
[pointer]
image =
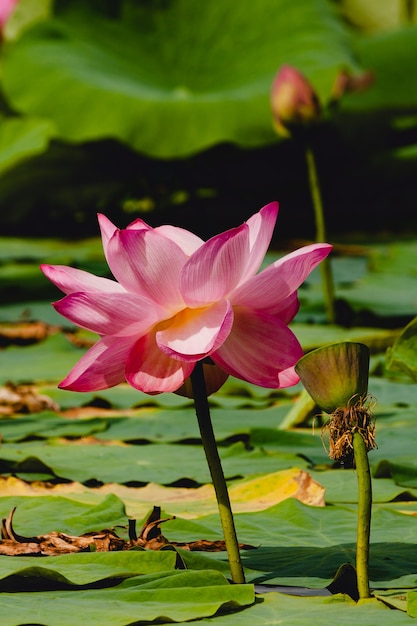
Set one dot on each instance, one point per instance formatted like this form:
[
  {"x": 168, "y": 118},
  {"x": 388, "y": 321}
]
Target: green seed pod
[{"x": 335, "y": 375}]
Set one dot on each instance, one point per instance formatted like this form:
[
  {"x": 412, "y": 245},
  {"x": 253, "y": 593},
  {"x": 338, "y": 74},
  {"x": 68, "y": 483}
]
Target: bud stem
[
  {"x": 325, "y": 267},
  {"x": 213, "y": 459},
  {"x": 364, "y": 514}
]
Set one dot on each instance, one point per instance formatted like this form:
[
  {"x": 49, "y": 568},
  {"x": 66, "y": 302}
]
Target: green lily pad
[
  {"x": 147, "y": 424},
  {"x": 403, "y": 355},
  {"x": 49, "y": 360},
  {"x": 163, "y": 463},
  {"x": 47, "y": 425},
  {"x": 334, "y": 610},
  {"x": 170, "y": 595},
  {"x": 87, "y": 568},
  {"x": 76, "y": 515}
]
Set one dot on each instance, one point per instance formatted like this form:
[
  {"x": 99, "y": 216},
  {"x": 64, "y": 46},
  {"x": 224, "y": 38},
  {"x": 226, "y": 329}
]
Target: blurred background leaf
[
  {"x": 171, "y": 78},
  {"x": 162, "y": 109}
]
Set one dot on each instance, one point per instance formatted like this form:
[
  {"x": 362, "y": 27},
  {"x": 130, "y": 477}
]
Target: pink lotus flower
[{"x": 179, "y": 300}]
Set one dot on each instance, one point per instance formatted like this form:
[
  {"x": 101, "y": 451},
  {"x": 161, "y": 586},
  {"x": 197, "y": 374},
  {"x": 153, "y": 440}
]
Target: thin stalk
[
  {"x": 325, "y": 267},
  {"x": 364, "y": 514},
  {"x": 213, "y": 459}
]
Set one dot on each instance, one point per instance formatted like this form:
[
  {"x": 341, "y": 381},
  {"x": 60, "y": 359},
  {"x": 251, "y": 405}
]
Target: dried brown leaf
[
  {"x": 55, "y": 543},
  {"x": 15, "y": 399},
  {"x": 24, "y": 333}
]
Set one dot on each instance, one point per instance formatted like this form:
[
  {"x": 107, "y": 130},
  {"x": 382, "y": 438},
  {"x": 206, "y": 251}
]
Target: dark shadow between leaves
[{"x": 42, "y": 579}]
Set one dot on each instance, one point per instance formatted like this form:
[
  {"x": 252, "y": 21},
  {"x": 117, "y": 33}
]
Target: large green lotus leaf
[
  {"x": 321, "y": 539},
  {"x": 47, "y": 425},
  {"x": 37, "y": 516},
  {"x": 20, "y": 276},
  {"x": 383, "y": 294},
  {"x": 234, "y": 394},
  {"x": 121, "y": 397},
  {"x": 21, "y": 138},
  {"x": 32, "y": 310},
  {"x": 390, "y": 55},
  {"x": 313, "y": 336},
  {"x": 382, "y": 282},
  {"x": 174, "y": 78},
  {"x": 165, "y": 598},
  {"x": 50, "y": 360},
  {"x": 164, "y": 426},
  {"x": 403, "y": 355},
  {"x": 151, "y": 424},
  {"x": 162, "y": 463},
  {"x": 87, "y": 568},
  {"x": 342, "y": 486},
  {"x": 390, "y": 394},
  {"x": 402, "y": 469},
  {"x": 396, "y": 257},
  {"x": 394, "y": 441},
  {"x": 304, "y": 545},
  {"x": 306, "y": 445},
  {"x": 412, "y": 603},
  {"x": 276, "y": 608}
]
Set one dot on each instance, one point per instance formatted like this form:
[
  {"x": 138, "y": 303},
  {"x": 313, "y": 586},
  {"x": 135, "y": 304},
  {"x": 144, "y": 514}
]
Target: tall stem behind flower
[
  {"x": 325, "y": 267},
  {"x": 216, "y": 471}
]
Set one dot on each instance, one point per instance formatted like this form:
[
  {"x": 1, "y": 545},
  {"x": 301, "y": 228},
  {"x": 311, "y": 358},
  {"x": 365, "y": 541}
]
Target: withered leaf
[
  {"x": 24, "y": 333},
  {"x": 23, "y": 399},
  {"x": 55, "y": 543}
]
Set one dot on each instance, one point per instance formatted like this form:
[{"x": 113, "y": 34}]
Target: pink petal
[
  {"x": 279, "y": 280},
  {"x": 107, "y": 229},
  {"x": 71, "y": 280},
  {"x": 216, "y": 267},
  {"x": 261, "y": 228},
  {"x": 260, "y": 349},
  {"x": 287, "y": 309},
  {"x": 151, "y": 371},
  {"x": 187, "y": 241},
  {"x": 138, "y": 224},
  {"x": 147, "y": 263},
  {"x": 194, "y": 333},
  {"x": 103, "y": 366},
  {"x": 214, "y": 377},
  {"x": 109, "y": 314}
]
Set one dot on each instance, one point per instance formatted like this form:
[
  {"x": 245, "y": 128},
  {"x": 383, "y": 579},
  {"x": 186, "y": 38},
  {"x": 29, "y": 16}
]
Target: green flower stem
[
  {"x": 216, "y": 471},
  {"x": 364, "y": 514},
  {"x": 325, "y": 267}
]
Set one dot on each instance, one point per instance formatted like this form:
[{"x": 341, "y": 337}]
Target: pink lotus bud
[
  {"x": 6, "y": 9},
  {"x": 293, "y": 101}
]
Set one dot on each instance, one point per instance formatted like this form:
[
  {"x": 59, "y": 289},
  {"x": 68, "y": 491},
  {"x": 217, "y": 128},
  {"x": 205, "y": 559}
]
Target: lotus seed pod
[{"x": 336, "y": 374}]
